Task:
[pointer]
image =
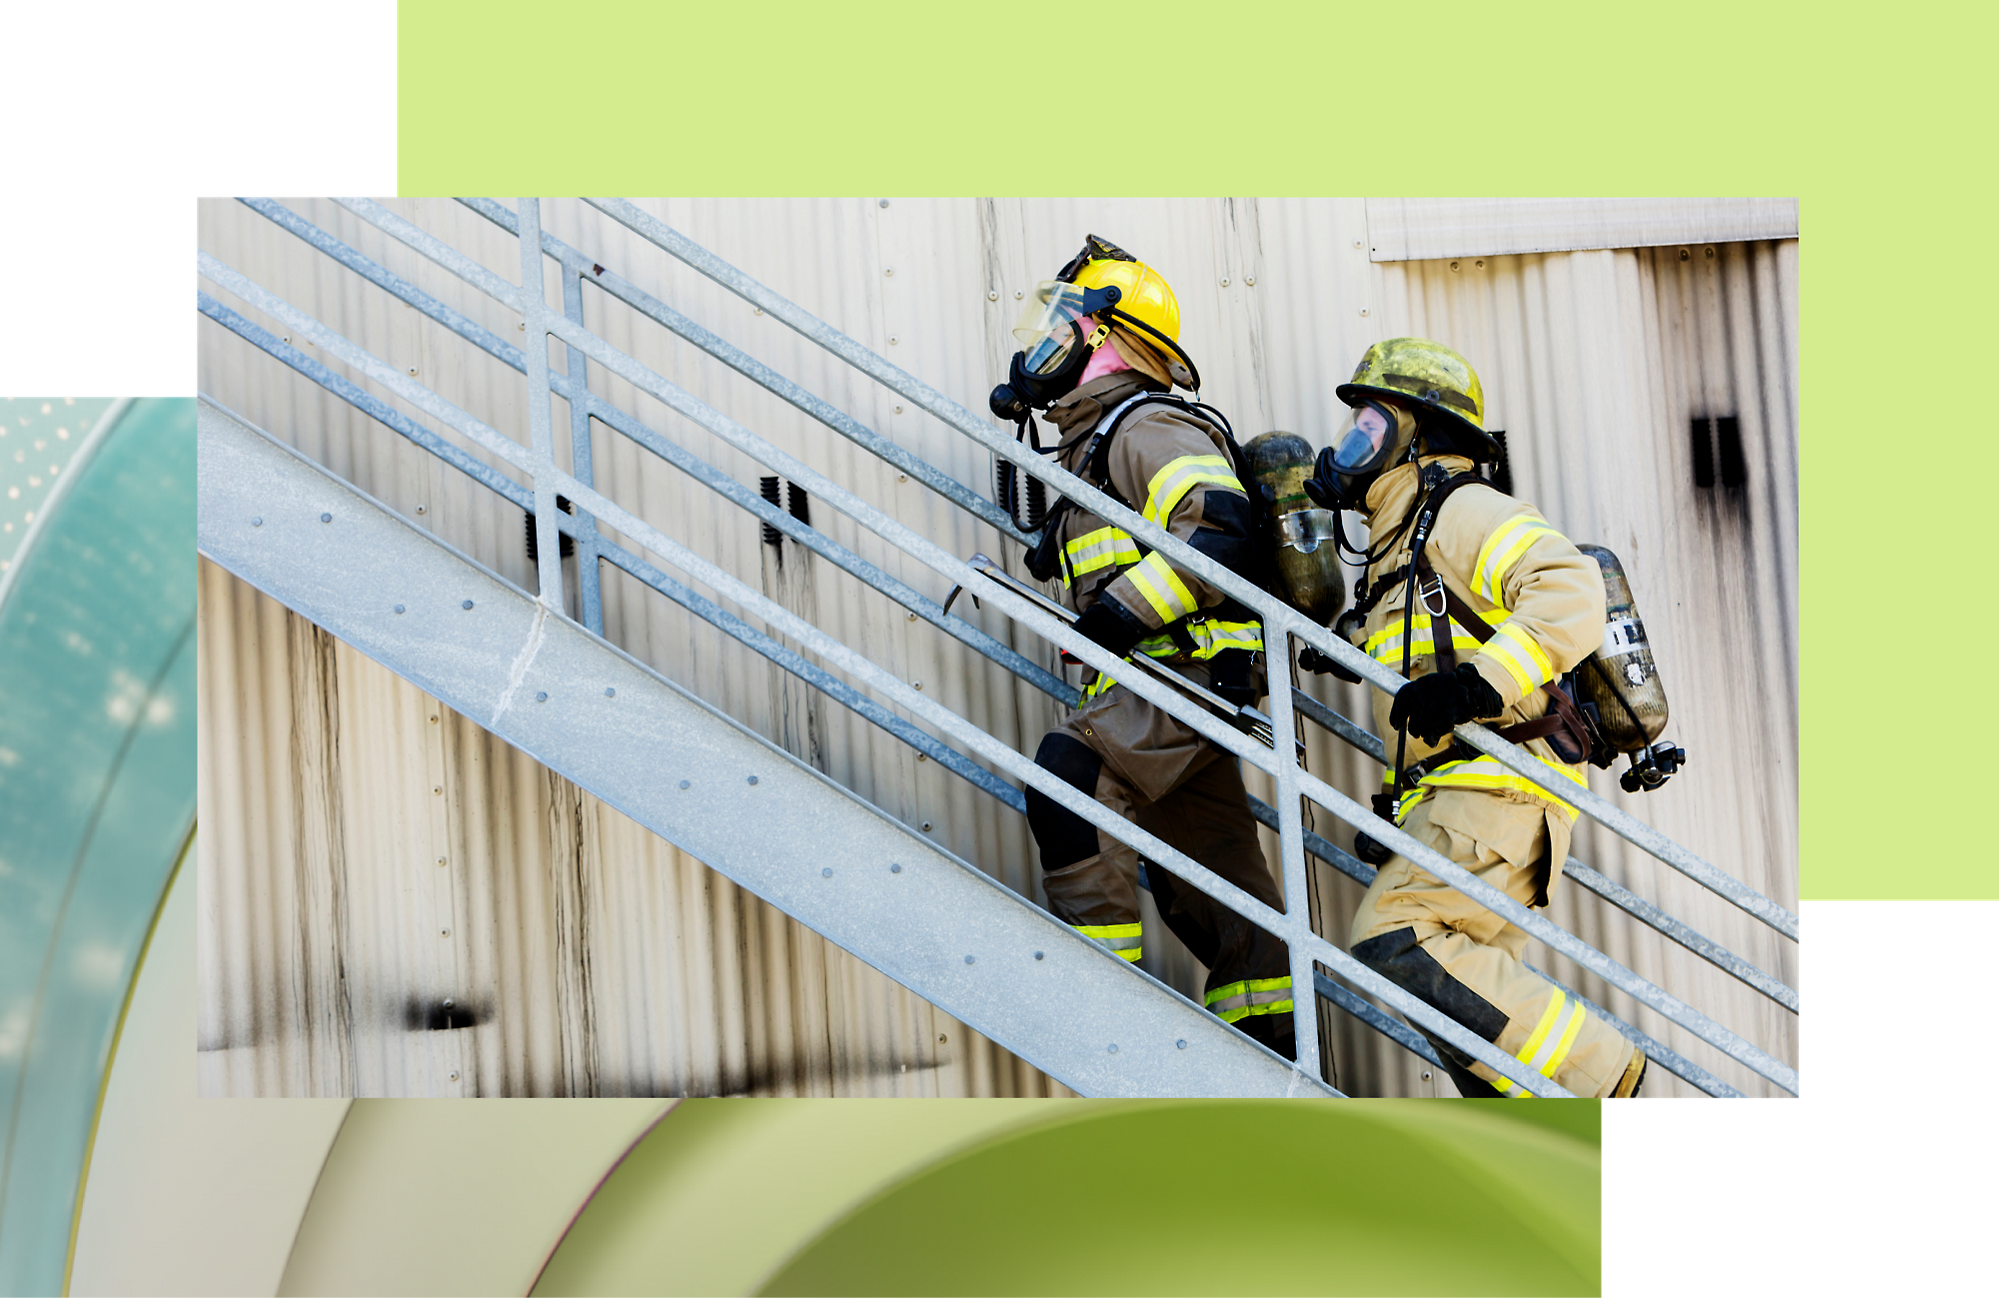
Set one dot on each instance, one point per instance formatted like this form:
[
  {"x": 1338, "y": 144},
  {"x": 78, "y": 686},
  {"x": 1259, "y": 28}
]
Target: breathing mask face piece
[
  {"x": 1374, "y": 435},
  {"x": 1057, "y": 334}
]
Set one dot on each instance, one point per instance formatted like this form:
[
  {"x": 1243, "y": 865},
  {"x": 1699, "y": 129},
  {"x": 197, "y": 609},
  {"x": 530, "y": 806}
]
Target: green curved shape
[
  {"x": 1067, "y": 1197},
  {"x": 1263, "y": 1197},
  {"x": 97, "y": 796}
]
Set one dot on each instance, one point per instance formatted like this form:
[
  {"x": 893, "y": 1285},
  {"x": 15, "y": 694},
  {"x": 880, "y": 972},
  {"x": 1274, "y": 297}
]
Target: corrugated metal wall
[{"x": 1597, "y": 361}]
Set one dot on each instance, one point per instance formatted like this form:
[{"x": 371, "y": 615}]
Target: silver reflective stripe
[
  {"x": 1550, "y": 1054},
  {"x": 1246, "y": 999}
]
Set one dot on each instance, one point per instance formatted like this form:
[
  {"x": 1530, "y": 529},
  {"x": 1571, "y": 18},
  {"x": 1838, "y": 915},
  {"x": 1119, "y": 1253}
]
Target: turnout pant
[
  {"x": 1155, "y": 771},
  {"x": 1461, "y": 958}
]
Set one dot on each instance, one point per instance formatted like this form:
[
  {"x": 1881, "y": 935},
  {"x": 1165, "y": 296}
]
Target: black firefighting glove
[
  {"x": 1112, "y": 625},
  {"x": 1325, "y": 665},
  {"x": 1433, "y": 704}
]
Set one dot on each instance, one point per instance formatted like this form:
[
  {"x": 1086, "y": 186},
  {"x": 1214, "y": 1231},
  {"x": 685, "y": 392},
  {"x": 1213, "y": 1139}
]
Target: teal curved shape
[{"x": 97, "y": 796}]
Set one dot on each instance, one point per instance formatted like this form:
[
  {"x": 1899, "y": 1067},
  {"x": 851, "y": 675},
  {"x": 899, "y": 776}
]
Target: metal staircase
[{"x": 555, "y": 687}]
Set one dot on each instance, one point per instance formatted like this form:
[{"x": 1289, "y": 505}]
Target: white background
[{"x": 117, "y": 115}]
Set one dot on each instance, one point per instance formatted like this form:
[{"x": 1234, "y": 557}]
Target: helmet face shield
[{"x": 1047, "y": 329}]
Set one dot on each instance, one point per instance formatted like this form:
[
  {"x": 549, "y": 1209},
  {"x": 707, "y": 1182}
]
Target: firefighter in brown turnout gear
[
  {"x": 1100, "y": 354},
  {"x": 1503, "y": 605}
]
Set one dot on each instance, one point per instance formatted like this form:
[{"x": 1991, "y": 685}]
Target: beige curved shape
[
  {"x": 184, "y": 1195},
  {"x": 726, "y": 1190},
  {"x": 467, "y": 1197}
]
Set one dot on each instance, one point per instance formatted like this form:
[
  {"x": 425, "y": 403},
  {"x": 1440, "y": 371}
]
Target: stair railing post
[
  {"x": 541, "y": 430},
  {"x": 1291, "y": 843},
  {"x": 589, "y": 583}
]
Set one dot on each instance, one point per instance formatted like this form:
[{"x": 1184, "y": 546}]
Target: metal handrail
[
  {"x": 1305, "y": 945},
  {"x": 1274, "y": 612},
  {"x": 575, "y": 336}
]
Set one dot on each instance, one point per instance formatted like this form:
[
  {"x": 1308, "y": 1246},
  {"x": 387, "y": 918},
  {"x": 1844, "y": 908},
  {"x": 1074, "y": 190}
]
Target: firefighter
[
  {"x": 1503, "y": 606},
  {"x": 1100, "y": 353}
]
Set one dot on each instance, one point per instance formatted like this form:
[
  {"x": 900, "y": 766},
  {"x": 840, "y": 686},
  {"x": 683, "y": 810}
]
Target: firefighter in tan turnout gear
[
  {"x": 1100, "y": 354},
  {"x": 1522, "y": 606}
]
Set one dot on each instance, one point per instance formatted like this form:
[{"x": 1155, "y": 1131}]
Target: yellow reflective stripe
[
  {"x": 1239, "y": 1000},
  {"x": 1120, "y": 939},
  {"x": 1171, "y": 484},
  {"x": 1523, "y": 660},
  {"x": 1385, "y": 645},
  {"x": 1099, "y": 549},
  {"x": 1409, "y": 800},
  {"x": 1162, "y": 588},
  {"x": 1549, "y": 1044},
  {"x": 1212, "y": 636},
  {"x": 1559, "y": 1041},
  {"x": 1098, "y": 686},
  {"x": 1158, "y": 646},
  {"x": 1502, "y": 549},
  {"x": 1487, "y": 773}
]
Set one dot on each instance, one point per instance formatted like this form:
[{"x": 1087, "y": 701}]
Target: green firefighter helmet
[{"x": 1430, "y": 375}]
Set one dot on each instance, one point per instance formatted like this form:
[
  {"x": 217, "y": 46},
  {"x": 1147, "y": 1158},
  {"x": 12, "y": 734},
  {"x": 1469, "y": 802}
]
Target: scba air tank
[
  {"x": 1307, "y": 560},
  {"x": 1622, "y": 683}
]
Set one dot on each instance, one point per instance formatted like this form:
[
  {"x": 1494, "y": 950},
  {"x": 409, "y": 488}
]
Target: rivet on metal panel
[
  {"x": 895, "y": 867},
  {"x": 902, "y": 477},
  {"x": 969, "y": 960},
  {"x": 523, "y": 325},
  {"x": 685, "y": 784},
  {"x": 399, "y": 608},
  {"x": 1356, "y": 243},
  {"x": 1180, "y": 1045},
  {"x": 757, "y": 311},
  {"x": 541, "y": 696},
  {"x": 1710, "y": 253},
  {"x": 917, "y": 684},
  {"x": 449, "y": 1003},
  {"x": 826, "y": 873},
  {"x": 926, "y": 826},
  {"x": 1363, "y": 310},
  {"x": 884, "y": 202},
  {"x": 753, "y": 779},
  {"x": 1039, "y": 954},
  {"x": 898, "y": 410},
  {"x": 891, "y": 340},
  {"x": 421, "y": 510},
  {"x": 1017, "y": 295},
  {"x": 1479, "y": 264},
  {"x": 412, "y": 371},
  {"x": 1454, "y": 265},
  {"x": 454, "y": 1076},
  {"x": 992, "y": 295},
  {"x": 1113, "y": 1047},
  {"x": 326, "y": 518},
  {"x": 466, "y": 604},
  {"x": 889, "y": 271},
  {"x": 433, "y": 721},
  {"x": 257, "y": 522},
  {"x": 923, "y": 757},
  {"x": 610, "y": 692},
  {"x": 1685, "y": 255},
  {"x": 438, "y": 791},
  {"x": 440, "y": 860},
  {"x": 940, "y": 1038},
  {"x": 1426, "y": 1074},
  {"x": 287, "y": 338},
  {"x": 1249, "y": 280},
  {"x": 444, "y": 932},
  {"x": 912, "y": 617},
  {"x": 1225, "y": 281}
]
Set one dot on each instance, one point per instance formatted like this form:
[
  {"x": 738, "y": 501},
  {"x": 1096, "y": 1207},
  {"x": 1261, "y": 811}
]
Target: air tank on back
[
  {"x": 1622, "y": 683},
  {"x": 1307, "y": 560}
]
